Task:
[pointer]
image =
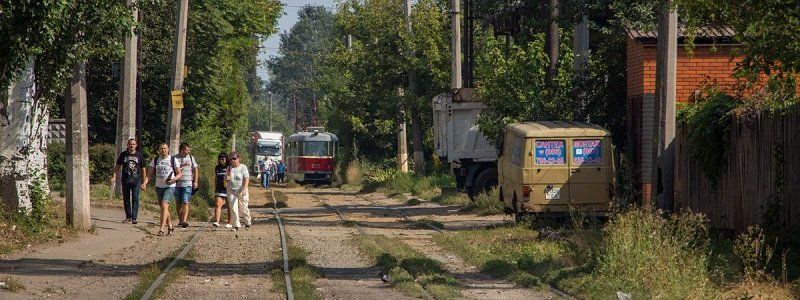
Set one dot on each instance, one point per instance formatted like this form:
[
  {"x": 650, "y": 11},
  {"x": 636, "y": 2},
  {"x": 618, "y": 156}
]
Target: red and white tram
[{"x": 311, "y": 154}]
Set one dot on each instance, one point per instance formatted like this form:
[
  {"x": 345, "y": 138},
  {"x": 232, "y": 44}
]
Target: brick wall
[{"x": 694, "y": 72}]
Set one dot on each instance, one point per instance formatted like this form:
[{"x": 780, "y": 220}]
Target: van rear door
[
  {"x": 588, "y": 170},
  {"x": 550, "y": 172}
]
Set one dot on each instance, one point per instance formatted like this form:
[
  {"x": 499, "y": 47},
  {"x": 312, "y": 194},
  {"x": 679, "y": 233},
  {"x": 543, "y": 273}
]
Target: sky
[{"x": 269, "y": 47}]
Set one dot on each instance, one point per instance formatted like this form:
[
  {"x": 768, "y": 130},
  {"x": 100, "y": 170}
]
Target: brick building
[{"x": 711, "y": 62}]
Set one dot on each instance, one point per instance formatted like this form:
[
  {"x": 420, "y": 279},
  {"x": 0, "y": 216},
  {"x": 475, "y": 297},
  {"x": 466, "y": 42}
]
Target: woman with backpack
[{"x": 166, "y": 170}]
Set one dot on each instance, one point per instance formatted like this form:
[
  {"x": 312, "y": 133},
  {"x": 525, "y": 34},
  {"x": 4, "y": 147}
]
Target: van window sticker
[
  {"x": 587, "y": 151},
  {"x": 550, "y": 152}
]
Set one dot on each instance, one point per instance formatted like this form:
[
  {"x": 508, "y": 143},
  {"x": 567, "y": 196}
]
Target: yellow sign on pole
[{"x": 177, "y": 99}]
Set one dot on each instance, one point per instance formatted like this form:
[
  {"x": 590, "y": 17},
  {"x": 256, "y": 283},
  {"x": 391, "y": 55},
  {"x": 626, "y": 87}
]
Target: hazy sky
[{"x": 270, "y": 47}]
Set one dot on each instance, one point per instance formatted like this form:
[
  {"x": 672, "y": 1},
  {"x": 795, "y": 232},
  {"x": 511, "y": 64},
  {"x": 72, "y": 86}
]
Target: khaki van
[{"x": 555, "y": 166}]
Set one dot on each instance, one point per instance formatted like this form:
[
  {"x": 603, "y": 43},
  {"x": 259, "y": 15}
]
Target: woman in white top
[
  {"x": 167, "y": 171},
  {"x": 238, "y": 179}
]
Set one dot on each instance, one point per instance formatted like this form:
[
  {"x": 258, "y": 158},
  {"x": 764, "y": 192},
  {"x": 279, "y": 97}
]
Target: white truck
[
  {"x": 265, "y": 145},
  {"x": 459, "y": 141}
]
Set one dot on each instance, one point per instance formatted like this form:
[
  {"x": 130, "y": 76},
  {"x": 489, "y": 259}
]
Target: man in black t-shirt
[{"x": 132, "y": 164}]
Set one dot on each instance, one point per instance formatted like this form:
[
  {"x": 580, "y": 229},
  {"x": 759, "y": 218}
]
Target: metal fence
[{"x": 762, "y": 176}]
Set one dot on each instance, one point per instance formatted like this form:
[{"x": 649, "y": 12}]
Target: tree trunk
[
  {"x": 551, "y": 37},
  {"x": 23, "y": 143}
]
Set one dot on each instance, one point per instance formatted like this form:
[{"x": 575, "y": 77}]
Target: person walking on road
[
  {"x": 263, "y": 174},
  {"x": 238, "y": 179},
  {"x": 281, "y": 171},
  {"x": 132, "y": 164},
  {"x": 166, "y": 171},
  {"x": 220, "y": 191},
  {"x": 186, "y": 184}
]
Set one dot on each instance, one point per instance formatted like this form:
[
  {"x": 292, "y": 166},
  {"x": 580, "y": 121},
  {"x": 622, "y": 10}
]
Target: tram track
[
  {"x": 185, "y": 250},
  {"x": 407, "y": 218},
  {"x": 287, "y": 273}
]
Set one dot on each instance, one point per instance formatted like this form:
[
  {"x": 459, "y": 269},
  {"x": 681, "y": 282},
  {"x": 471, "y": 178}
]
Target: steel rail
[
  {"x": 287, "y": 273},
  {"x": 160, "y": 279}
]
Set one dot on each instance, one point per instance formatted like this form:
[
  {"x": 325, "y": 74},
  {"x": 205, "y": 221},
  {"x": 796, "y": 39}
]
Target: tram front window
[{"x": 315, "y": 149}]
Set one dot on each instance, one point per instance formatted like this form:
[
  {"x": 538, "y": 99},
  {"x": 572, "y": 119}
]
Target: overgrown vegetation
[
  {"x": 638, "y": 253},
  {"x": 408, "y": 270},
  {"x": 45, "y": 223},
  {"x": 486, "y": 204}
]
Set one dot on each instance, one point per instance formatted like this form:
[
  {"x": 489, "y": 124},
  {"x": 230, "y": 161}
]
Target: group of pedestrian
[
  {"x": 176, "y": 179},
  {"x": 270, "y": 170}
]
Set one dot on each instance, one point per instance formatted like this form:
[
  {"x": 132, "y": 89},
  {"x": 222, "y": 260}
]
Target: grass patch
[
  {"x": 303, "y": 275},
  {"x": 413, "y": 202},
  {"x": 280, "y": 200},
  {"x": 410, "y": 272},
  {"x": 425, "y": 223},
  {"x": 149, "y": 273},
  {"x": 11, "y": 284},
  {"x": 486, "y": 204}
]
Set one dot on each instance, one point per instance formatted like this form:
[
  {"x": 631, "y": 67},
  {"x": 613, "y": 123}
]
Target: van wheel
[{"x": 486, "y": 180}]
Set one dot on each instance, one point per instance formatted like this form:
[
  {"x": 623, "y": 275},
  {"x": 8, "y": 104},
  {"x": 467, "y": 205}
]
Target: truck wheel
[{"x": 485, "y": 180}]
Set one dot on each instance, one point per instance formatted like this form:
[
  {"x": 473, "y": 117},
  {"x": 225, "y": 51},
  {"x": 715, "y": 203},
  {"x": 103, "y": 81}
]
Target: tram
[{"x": 311, "y": 155}]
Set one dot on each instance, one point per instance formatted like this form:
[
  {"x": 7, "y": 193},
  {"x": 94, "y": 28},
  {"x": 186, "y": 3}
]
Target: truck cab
[{"x": 556, "y": 167}]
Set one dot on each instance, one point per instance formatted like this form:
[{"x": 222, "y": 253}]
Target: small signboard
[
  {"x": 586, "y": 152},
  {"x": 550, "y": 152},
  {"x": 177, "y": 99}
]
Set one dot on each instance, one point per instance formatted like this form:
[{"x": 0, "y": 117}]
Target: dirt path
[{"x": 108, "y": 261}]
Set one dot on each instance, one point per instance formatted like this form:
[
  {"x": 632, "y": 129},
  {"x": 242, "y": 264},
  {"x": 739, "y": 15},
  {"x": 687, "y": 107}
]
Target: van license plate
[{"x": 552, "y": 194}]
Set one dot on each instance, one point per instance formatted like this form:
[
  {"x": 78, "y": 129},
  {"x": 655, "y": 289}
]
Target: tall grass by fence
[{"x": 761, "y": 182}]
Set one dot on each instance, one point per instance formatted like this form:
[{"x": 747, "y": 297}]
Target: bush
[
  {"x": 101, "y": 162},
  {"x": 56, "y": 165},
  {"x": 486, "y": 204}
]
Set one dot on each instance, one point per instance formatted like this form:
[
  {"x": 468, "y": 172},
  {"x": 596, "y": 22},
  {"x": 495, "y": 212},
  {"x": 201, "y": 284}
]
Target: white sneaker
[
  {"x": 216, "y": 224},
  {"x": 228, "y": 226}
]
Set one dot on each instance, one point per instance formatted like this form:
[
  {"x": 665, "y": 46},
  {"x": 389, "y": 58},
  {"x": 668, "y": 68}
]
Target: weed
[
  {"x": 410, "y": 272},
  {"x": 281, "y": 199},
  {"x": 12, "y": 284},
  {"x": 486, "y": 204},
  {"x": 413, "y": 202},
  {"x": 303, "y": 275},
  {"x": 150, "y": 272}
]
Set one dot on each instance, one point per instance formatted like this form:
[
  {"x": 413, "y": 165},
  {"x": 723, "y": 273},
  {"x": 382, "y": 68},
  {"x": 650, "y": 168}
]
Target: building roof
[
  {"x": 564, "y": 129},
  {"x": 702, "y": 32}
]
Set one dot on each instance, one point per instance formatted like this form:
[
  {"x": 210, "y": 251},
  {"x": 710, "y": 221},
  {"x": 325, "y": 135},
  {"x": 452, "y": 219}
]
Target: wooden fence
[{"x": 748, "y": 187}]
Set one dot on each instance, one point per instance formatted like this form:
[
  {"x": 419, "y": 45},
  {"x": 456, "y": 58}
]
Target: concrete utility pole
[
  {"x": 78, "y": 208},
  {"x": 581, "y": 46},
  {"x": 551, "y": 36},
  {"x": 455, "y": 46},
  {"x": 126, "y": 107},
  {"x": 666, "y": 65},
  {"x": 233, "y": 142},
  {"x": 419, "y": 155},
  {"x": 402, "y": 145},
  {"x": 270, "y": 110},
  {"x": 178, "y": 58}
]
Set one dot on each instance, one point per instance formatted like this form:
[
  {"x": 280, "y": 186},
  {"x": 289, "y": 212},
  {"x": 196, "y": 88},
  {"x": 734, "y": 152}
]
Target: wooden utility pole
[
  {"x": 126, "y": 106},
  {"x": 455, "y": 45},
  {"x": 551, "y": 42},
  {"x": 402, "y": 144},
  {"x": 77, "y": 189},
  {"x": 178, "y": 59},
  {"x": 666, "y": 65}
]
